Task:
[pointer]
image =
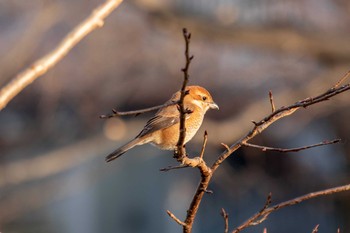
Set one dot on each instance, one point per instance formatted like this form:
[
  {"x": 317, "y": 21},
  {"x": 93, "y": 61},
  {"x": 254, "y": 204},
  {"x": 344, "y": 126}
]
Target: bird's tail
[{"x": 121, "y": 150}]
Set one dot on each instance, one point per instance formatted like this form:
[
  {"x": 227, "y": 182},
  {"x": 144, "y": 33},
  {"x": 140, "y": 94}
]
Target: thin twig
[
  {"x": 136, "y": 112},
  {"x": 263, "y": 218},
  {"x": 266, "y": 148},
  {"x": 266, "y": 211},
  {"x": 342, "y": 79},
  {"x": 41, "y": 66},
  {"x": 204, "y": 144},
  {"x": 175, "y": 218},
  {"x": 226, "y": 146},
  {"x": 254, "y": 122},
  {"x": 225, "y": 216},
  {"x": 173, "y": 168},
  {"x": 315, "y": 230},
  {"x": 271, "y": 101}
]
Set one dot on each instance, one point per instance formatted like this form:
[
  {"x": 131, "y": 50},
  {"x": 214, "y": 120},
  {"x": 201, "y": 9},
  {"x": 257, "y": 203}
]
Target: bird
[{"x": 162, "y": 130}]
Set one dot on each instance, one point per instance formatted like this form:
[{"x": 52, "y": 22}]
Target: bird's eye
[{"x": 204, "y": 98}]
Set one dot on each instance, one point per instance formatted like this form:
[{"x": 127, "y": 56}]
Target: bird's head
[{"x": 200, "y": 97}]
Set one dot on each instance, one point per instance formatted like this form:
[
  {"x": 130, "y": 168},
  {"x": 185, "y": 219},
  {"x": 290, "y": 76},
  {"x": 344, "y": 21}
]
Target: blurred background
[{"x": 53, "y": 177}]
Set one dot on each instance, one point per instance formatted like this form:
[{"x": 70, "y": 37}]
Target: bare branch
[
  {"x": 275, "y": 116},
  {"x": 271, "y": 102},
  {"x": 265, "y": 148},
  {"x": 207, "y": 172},
  {"x": 181, "y": 152},
  {"x": 225, "y": 216},
  {"x": 41, "y": 66},
  {"x": 262, "y": 215},
  {"x": 175, "y": 218},
  {"x": 197, "y": 198},
  {"x": 136, "y": 112}
]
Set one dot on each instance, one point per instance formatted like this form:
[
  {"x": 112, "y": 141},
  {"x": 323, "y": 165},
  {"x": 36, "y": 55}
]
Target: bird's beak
[{"x": 213, "y": 106}]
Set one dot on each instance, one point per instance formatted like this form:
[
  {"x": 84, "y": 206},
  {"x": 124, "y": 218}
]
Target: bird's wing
[
  {"x": 164, "y": 118},
  {"x": 156, "y": 123}
]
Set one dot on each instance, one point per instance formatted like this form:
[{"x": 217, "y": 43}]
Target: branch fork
[{"x": 207, "y": 172}]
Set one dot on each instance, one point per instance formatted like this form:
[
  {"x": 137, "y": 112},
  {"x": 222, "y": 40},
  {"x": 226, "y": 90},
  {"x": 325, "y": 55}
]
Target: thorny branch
[
  {"x": 41, "y": 66},
  {"x": 266, "y": 211}
]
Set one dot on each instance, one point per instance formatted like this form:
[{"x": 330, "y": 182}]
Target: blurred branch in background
[
  {"x": 40, "y": 67},
  {"x": 29, "y": 40},
  {"x": 290, "y": 38},
  {"x": 52, "y": 163}
]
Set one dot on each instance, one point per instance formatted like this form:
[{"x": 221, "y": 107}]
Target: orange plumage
[{"x": 162, "y": 130}]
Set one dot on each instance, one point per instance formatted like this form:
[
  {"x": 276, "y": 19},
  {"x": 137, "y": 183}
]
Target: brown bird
[{"x": 162, "y": 130}]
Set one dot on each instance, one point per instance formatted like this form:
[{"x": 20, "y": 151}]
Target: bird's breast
[
  {"x": 167, "y": 138},
  {"x": 192, "y": 125}
]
